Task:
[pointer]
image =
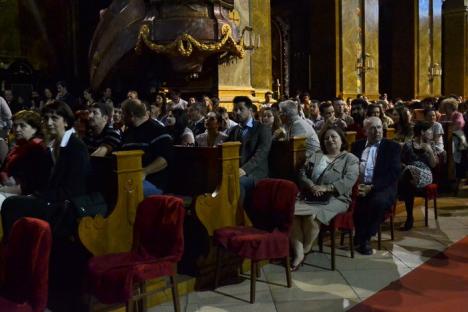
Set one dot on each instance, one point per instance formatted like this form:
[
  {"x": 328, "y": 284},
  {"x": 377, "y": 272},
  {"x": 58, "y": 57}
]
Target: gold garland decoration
[{"x": 185, "y": 44}]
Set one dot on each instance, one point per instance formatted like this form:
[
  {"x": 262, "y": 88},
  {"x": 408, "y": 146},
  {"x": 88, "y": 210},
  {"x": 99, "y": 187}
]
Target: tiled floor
[{"x": 315, "y": 288}]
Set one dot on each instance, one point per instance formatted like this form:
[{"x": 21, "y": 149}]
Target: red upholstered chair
[
  {"x": 158, "y": 244},
  {"x": 271, "y": 212},
  {"x": 342, "y": 222},
  {"x": 26, "y": 267}
]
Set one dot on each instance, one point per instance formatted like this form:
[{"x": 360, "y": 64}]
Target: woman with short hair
[{"x": 326, "y": 181}]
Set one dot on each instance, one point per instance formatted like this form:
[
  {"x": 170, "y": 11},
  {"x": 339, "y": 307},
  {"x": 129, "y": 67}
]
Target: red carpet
[{"x": 440, "y": 284}]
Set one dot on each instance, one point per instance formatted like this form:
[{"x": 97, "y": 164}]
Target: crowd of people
[{"x": 46, "y": 142}]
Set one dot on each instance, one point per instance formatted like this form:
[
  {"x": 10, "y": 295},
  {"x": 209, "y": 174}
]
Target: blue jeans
[{"x": 150, "y": 189}]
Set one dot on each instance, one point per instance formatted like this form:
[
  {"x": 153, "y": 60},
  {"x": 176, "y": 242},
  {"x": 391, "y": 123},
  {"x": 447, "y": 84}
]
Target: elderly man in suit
[
  {"x": 297, "y": 126},
  {"x": 379, "y": 169},
  {"x": 256, "y": 142}
]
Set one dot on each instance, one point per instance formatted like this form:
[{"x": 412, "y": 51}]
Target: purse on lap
[{"x": 89, "y": 205}]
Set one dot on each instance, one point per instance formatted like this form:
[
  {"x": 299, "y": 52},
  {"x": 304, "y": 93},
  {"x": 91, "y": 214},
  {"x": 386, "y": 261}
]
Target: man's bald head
[{"x": 374, "y": 129}]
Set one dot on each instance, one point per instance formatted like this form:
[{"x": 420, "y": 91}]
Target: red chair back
[
  {"x": 27, "y": 263},
  {"x": 159, "y": 227},
  {"x": 344, "y": 220},
  {"x": 273, "y": 205}
]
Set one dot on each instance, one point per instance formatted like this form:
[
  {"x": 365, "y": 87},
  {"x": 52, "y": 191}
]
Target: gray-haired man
[{"x": 296, "y": 126}]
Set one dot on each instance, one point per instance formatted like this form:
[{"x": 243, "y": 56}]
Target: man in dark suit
[
  {"x": 379, "y": 170},
  {"x": 256, "y": 142}
]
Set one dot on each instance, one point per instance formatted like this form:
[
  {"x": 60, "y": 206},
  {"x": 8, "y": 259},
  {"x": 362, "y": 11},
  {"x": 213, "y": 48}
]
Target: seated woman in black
[
  {"x": 25, "y": 169},
  {"x": 69, "y": 162},
  {"x": 417, "y": 157}
]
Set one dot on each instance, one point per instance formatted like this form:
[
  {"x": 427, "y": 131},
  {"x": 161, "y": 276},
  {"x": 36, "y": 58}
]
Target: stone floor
[{"x": 315, "y": 288}]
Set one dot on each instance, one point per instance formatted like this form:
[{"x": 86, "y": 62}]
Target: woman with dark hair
[
  {"x": 159, "y": 108},
  {"x": 25, "y": 168},
  {"x": 326, "y": 182},
  {"x": 402, "y": 124},
  {"x": 69, "y": 161},
  {"x": 177, "y": 125},
  {"x": 212, "y": 137},
  {"x": 376, "y": 110},
  {"x": 417, "y": 158},
  {"x": 271, "y": 118}
]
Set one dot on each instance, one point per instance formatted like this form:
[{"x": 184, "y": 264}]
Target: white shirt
[
  {"x": 367, "y": 163},
  {"x": 181, "y": 104},
  {"x": 63, "y": 143}
]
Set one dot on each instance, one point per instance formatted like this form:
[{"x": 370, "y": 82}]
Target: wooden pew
[
  {"x": 286, "y": 158},
  {"x": 115, "y": 232},
  {"x": 210, "y": 176}
]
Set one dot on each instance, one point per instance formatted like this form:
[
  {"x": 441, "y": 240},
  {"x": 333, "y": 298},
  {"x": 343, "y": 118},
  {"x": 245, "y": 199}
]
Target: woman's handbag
[{"x": 89, "y": 205}]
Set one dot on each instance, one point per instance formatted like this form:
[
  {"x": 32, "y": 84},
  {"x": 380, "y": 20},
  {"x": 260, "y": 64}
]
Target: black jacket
[
  {"x": 68, "y": 176},
  {"x": 387, "y": 166},
  {"x": 254, "y": 150}
]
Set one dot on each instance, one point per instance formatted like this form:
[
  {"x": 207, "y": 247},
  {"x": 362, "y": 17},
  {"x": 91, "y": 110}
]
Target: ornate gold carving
[{"x": 185, "y": 44}]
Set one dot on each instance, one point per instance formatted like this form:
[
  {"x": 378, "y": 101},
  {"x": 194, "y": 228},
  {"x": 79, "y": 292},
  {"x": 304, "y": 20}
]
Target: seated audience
[
  {"x": 429, "y": 103},
  {"x": 48, "y": 98},
  {"x": 268, "y": 100},
  {"x": 196, "y": 114},
  {"x": 417, "y": 158},
  {"x": 295, "y": 126},
  {"x": 402, "y": 124},
  {"x": 25, "y": 169},
  {"x": 69, "y": 160},
  {"x": 271, "y": 118},
  {"x": 144, "y": 134},
  {"x": 358, "y": 112},
  {"x": 256, "y": 143},
  {"x": 88, "y": 98},
  {"x": 340, "y": 112},
  {"x": 177, "y": 126},
  {"x": 102, "y": 139},
  {"x": 326, "y": 180},
  {"x": 65, "y": 96},
  {"x": 212, "y": 137},
  {"x": 177, "y": 101},
  {"x": 459, "y": 146},
  {"x": 327, "y": 111},
  {"x": 117, "y": 120},
  {"x": 227, "y": 124},
  {"x": 435, "y": 133},
  {"x": 447, "y": 107},
  {"x": 379, "y": 170},
  {"x": 158, "y": 109},
  {"x": 374, "y": 110},
  {"x": 312, "y": 111}
]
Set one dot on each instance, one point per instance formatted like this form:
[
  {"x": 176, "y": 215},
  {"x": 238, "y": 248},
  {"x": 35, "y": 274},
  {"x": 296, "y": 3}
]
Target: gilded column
[
  {"x": 371, "y": 48},
  {"x": 455, "y": 47},
  {"x": 234, "y": 78},
  {"x": 261, "y": 62}
]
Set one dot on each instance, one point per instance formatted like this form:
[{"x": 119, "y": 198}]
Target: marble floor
[{"x": 315, "y": 288}]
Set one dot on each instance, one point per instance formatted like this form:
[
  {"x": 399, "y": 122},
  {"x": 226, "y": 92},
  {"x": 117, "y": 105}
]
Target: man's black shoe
[{"x": 364, "y": 249}]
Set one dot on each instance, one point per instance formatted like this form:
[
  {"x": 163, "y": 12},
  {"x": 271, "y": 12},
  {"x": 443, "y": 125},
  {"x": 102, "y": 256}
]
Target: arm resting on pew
[{"x": 157, "y": 165}]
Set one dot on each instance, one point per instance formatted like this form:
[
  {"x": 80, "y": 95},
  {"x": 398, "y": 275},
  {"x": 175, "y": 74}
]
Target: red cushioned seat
[
  {"x": 342, "y": 222},
  {"x": 253, "y": 243},
  {"x": 158, "y": 244},
  {"x": 26, "y": 267},
  {"x": 271, "y": 213}
]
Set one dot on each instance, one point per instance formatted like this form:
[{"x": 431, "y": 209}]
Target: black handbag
[{"x": 89, "y": 205}]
